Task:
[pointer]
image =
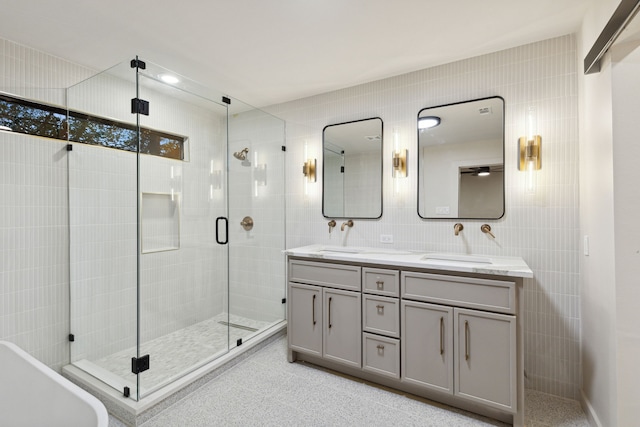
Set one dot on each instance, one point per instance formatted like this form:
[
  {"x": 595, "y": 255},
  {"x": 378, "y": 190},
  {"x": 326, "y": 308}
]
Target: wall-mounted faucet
[
  {"x": 486, "y": 228},
  {"x": 347, "y": 223},
  {"x": 332, "y": 224},
  {"x": 457, "y": 228}
]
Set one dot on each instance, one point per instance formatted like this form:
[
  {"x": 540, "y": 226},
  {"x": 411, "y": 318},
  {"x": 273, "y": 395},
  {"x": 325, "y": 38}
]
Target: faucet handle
[
  {"x": 331, "y": 224},
  {"x": 486, "y": 228}
]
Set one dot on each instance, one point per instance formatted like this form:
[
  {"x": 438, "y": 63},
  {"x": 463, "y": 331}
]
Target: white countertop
[{"x": 483, "y": 264}]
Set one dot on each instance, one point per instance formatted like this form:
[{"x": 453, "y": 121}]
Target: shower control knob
[{"x": 247, "y": 223}]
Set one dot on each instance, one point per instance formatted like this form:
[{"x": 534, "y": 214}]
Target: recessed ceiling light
[
  {"x": 484, "y": 171},
  {"x": 168, "y": 78},
  {"x": 428, "y": 122}
]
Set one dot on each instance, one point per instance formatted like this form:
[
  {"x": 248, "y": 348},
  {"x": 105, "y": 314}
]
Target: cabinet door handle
[
  {"x": 380, "y": 347},
  {"x": 380, "y": 284},
  {"x": 313, "y": 309},
  {"x": 466, "y": 340},
  {"x": 329, "y": 312},
  {"x": 442, "y": 335},
  {"x": 380, "y": 308}
]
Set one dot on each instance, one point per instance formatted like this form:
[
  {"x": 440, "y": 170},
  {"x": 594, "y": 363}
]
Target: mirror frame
[
  {"x": 381, "y": 169},
  {"x": 504, "y": 195}
]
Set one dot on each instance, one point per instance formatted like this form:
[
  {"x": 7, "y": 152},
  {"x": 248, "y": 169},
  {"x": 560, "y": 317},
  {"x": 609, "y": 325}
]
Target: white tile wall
[
  {"x": 542, "y": 228},
  {"x": 34, "y": 238}
]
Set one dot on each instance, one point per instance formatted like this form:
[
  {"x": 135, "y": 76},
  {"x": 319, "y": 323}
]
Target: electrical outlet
[{"x": 386, "y": 238}]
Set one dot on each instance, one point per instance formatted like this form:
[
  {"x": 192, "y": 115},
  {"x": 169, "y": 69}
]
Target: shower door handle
[{"x": 226, "y": 230}]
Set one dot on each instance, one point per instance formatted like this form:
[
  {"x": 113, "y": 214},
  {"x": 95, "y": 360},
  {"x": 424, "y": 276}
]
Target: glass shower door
[
  {"x": 183, "y": 275},
  {"x": 256, "y": 222}
]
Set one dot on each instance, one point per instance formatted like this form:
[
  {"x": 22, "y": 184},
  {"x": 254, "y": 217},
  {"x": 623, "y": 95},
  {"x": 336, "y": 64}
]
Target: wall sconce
[
  {"x": 309, "y": 170},
  {"x": 399, "y": 164},
  {"x": 399, "y": 158},
  {"x": 530, "y": 151}
]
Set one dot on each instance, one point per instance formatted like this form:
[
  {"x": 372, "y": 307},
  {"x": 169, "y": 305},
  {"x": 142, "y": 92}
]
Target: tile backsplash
[{"x": 542, "y": 227}]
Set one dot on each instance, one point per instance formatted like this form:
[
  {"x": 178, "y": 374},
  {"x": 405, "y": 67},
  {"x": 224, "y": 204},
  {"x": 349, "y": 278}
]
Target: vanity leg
[{"x": 291, "y": 356}]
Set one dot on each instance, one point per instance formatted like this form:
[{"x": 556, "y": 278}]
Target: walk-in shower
[{"x": 159, "y": 280}]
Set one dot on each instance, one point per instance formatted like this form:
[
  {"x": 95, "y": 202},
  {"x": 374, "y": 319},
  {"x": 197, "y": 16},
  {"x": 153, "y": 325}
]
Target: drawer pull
[
  {"x": 380, "y": 284},
  {"x": 442, "y": 335},
  {"x": 380, "y": 309},
  {"x": 313, "y": 309},
  {"x": 380, "y": 348},
  {"x": 466, "y": 340},
  {"x": 329, "y": 312}
]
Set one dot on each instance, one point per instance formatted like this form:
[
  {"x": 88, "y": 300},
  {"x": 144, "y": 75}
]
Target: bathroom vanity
[{"x": 447, "y": 327}]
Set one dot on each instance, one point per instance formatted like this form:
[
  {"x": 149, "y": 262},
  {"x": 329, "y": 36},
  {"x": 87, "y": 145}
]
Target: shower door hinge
[
  {"x": 239, "y": 342},
  {"x": 284, "y": 300},
  {"x": 69, "y": 147},
  {"x": 139, "y": 364},
  {"x": 341, "y": 169},
  {"x": 136, "y": 63},
  {"x": 126, "y": 392},
  {"x": 72, "y": 338},
  {"x": 139, "y": 106},
  {"x": 226, "y": 100},
  {"x": 284, "y": 148}
]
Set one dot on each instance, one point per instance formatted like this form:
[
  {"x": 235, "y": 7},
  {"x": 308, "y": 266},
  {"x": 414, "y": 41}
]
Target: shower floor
[{"x": 175, "y": 354}]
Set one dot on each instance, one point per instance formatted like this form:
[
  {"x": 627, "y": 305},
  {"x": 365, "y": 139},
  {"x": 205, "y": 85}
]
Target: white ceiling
[{"x": 266, "y": 52}]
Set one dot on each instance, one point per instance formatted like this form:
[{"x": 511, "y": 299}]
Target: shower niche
[{"x": 158, "y": 258}]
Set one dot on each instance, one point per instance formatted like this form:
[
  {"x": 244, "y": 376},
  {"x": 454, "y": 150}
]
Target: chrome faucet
[
  {"x": 457, "y": 228},
  {"x": 347, "y": 223}
]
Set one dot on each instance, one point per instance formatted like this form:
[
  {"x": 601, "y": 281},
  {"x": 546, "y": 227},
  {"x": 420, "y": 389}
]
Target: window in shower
[{"x": 33, "y": 118}]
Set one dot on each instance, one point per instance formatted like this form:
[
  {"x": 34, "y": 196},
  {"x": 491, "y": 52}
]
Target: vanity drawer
[
  {"x": 381, "y": 355},
  {"x": 380, "y": 281},
  {"x": 491, "y": 295},
  {"x": 325, "y": 274},
  {"x": 381, "y": 315}
]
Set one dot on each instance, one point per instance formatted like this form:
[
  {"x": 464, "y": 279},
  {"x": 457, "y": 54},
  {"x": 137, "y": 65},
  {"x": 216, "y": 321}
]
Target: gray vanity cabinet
[
  {"x": 324, "y": 311},
  {"x": 427, "y": 345},
  {"x": 447, "y": 336},
  {"x": 305, "y": 318},
  {"x": 341, "y": 328},
  {"x": 485, "y": 355}
]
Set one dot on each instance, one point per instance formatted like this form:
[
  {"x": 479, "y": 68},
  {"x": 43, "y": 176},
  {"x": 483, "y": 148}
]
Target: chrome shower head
[{"x": 241, "y": 155}]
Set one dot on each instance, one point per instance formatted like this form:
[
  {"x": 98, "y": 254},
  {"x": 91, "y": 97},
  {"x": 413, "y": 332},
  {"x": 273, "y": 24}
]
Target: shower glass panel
[
  {"x": 256, "y": 222},
  {"x": 103, "y": 228}
]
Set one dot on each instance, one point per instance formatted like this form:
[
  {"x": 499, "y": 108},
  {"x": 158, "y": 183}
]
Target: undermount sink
[
  {"x": 474, "y": 259},
  {"x": 340, "y": 250}
]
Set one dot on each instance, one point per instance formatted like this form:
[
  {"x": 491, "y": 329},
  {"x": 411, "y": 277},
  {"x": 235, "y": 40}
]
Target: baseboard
[{"x": 589, "y": 411}]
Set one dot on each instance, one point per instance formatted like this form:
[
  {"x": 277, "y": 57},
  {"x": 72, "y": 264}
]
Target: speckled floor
[{"x": 266, "y": 390}]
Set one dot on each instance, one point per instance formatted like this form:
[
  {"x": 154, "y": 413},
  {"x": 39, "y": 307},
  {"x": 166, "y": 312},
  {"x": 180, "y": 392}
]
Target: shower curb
[{"x": 133, "y": 413}]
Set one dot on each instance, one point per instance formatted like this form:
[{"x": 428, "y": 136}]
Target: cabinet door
[
  {"x": 486, "y": 358},
  {"x": 342, "y": 340},
  {"x": 305, "y": 318},
  {"x": 427, "y": 345}
]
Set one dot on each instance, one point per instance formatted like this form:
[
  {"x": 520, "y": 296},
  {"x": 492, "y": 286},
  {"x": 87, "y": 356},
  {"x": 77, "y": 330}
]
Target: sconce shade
[
  {"x": 309, "y": 170},
  {"x": 530, "y": 153},
  {"x": 399, "y": 166}
]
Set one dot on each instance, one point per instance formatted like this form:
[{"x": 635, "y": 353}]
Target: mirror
[
  {"x": 461, "y": 160},
  {"x": 352, "y": 169}
]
